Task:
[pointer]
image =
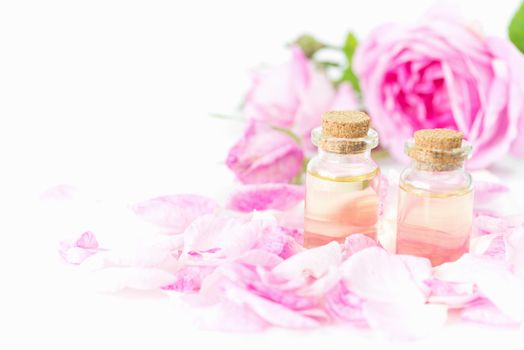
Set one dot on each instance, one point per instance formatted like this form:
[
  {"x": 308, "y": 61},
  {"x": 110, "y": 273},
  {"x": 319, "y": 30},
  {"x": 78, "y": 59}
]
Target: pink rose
[
  {"x": 294, "y": 96},
  {"x": 444, "y": 74},
  {"x": 265, "y": 155}
]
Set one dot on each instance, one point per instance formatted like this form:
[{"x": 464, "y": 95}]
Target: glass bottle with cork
[
  {"x": 342, "y": 181},
  {"x": 435, "y": 209}
]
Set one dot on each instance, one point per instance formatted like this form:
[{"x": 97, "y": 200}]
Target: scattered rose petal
[
  {"x": 314, "y": 263},
  {"x": 375, "y": 275},
  {"x": 189, "y": 279},
  {"x": 489, "y": 224},
  {"x": 496, "y": 248},
  {"x": 357, "y": 242},
  {"x": 344, "y": 305},
  {"x": 515, "y": 251},
  {"x": 78, "y": 250},
  {"x": 264, "y": 155},
  {"x": 483, "y": 311},
  {"x": 486, "y": 191},
  {"x": 215, "y": 237},
  {"x": 277, "y": 196},
  {"x": 493, "y": 279},
  {"x": 87, "y": 240},
  {"x": 59, "y": 192},
  {"x": 175, "y": 212},
  {"x": 450, "y": 293},
  {"x": 273, "y": 313}
]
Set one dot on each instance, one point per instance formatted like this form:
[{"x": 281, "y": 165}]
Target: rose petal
[
  {"x": 314, "y": 262},
  {"x": 189, "y": 279},
  {"x": 343, "y": 305},
  {"x": 87, "y": 241},
  {"x": 76, "y": 251},
  {"x": 265, "y": 196},
  {"x": 271, "y": 312},
  {"x": 59, "y": 192},
  {"x": 357, "y": 242},
  {"x": 515, "y": 251},
  {"x": 483, "y": 311},
  {"x": 261, "y": 258},
  {"x": 375, "y": 275},
  {"x": 493, "y": 279},
  {"x": 264, "y": 155},
  {"x": 485, "y": 191},
  {"x": 219, "y": 237},
  {"x": 175, "y": 212},
  {"x": 451, "y": 294}
]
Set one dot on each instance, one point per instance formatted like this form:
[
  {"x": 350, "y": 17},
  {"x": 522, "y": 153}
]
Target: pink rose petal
[
  {"x": 259, "y": 257},
  {"x": 175, "y": 212},
  {"x": 483, "y": 311},
  {"x": 266, "y": 196},
  {"x": 493, "y": 279},
  {"x": 486, "y": 191},
  {"x": 314, "y": 262},
  {"x": 515, "y": 251},
  {"x": 59, "y": 192},
  {"x": 87, "y": 241},
  {"x": 217, "y": 237},
  {"x": 264, "y": 155},
  {"x": 450, "y": 293},
  {"x": 189, "y": 279},
  {"x": 375, "y": 275},
  {"x": 357, "y": 242},
  {"x": 271, "y": 312},
  {"x": 489, "y": 224},
  {"x": 76, "y": 251},
  {"x": 342, "y": 304}
]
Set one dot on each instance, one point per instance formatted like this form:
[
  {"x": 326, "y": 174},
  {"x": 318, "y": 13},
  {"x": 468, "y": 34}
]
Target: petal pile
[{"x": 244, "y": 267}]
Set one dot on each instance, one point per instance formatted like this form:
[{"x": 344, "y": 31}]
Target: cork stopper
[
  {"x": 438, "y": 149},
  {"x": 441, "y": 139},
  {"x": 346, "y": 132},
  {"x": 345, "y": 124}
]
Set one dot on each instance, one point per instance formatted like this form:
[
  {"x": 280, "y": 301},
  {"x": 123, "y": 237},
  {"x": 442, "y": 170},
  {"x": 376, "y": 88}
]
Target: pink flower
[
  {"x": 265, "y": 155},
  {"x": 444, "y": 74},
  {"x": 294, "y": 96}
]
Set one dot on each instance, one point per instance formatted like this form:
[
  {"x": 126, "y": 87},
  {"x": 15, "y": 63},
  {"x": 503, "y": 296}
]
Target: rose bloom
[
  {"x": 294, "y": 96},
  {"x": 444, "y": 74},
  {"x": 265, "y": 155}
]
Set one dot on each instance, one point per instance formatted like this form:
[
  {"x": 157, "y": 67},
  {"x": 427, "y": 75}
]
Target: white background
[{"x": 114, "y": 97}]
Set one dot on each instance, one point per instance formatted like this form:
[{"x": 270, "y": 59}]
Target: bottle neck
[
  {"x": 344, "y": 157},
  {"x": 431, "y": 167}
]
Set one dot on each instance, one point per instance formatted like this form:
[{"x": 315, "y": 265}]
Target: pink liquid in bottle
[
  {"x": 338, "y": 207},
  {"x": 435, "y": 226}
]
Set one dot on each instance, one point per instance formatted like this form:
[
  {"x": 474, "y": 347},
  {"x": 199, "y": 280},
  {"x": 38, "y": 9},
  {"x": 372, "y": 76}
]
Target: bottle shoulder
[
  {"x": 343, "y": 167},
  {"x": 436, "y": 182}
]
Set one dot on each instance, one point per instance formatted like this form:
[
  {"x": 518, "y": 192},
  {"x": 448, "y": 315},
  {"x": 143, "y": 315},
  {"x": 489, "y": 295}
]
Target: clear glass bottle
[
  {"x": 435, "y": 209},
  {"x": 342, "y": 180}
]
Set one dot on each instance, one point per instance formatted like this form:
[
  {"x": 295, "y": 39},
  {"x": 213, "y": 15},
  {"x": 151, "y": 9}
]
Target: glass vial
[
  {"x": 342, "y": 180},
  {"x": 435, "y": 209}
]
